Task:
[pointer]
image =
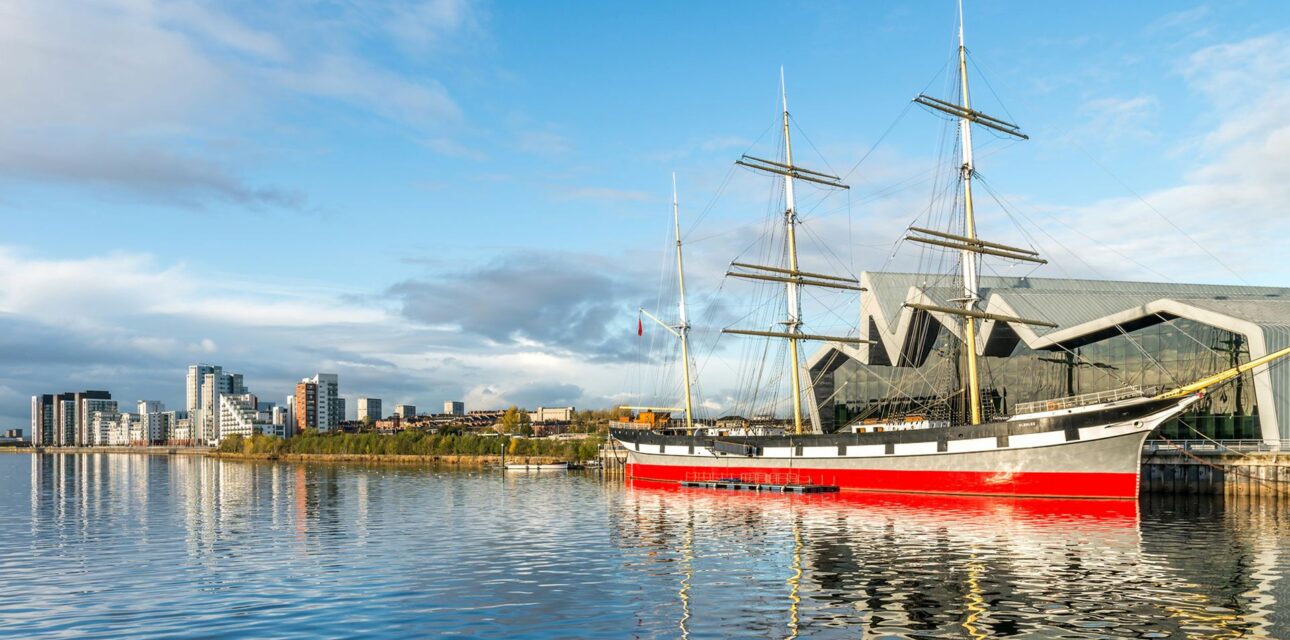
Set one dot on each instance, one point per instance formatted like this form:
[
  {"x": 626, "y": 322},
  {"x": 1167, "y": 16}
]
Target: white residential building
[
  {"x": 291, "y": 413},
  {"x": 137, "y": 428},
  {"x": 205, "y": 385},
  {"x": 182, "y": 431},
  {"x": 100, "y": 427},
  {"x": 238, "y": 415},
  {"x": 90, "y": 406},
  {"x": 155, "y": 422},
  {"x": 120, "y": 429},
  {"x": 113, "y": 429}
]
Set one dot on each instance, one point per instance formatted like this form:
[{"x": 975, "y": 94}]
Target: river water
[{"x": 119, "y": 545}]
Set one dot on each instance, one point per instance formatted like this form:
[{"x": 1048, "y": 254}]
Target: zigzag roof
[{"x": 1083, "y": 310}]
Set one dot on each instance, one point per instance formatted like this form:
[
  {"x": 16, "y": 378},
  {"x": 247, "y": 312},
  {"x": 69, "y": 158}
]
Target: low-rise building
[
  {"x": 394, "y": 424},
  {"x": 551, "y": 414},
  {"x": 111, "y": 429},
  {"x": 181, "y": 433}
]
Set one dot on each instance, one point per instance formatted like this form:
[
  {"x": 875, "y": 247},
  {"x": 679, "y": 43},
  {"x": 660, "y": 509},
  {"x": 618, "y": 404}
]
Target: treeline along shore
[{"x": 410, "y": 446}]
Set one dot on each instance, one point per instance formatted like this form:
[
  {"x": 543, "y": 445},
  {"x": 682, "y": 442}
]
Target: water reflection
[
  {"x": 906, "y": 566},
  {"x": 113, "y": 545}
]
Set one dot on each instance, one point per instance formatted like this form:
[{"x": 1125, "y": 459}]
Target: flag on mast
[{"x": 640, "y": 326}]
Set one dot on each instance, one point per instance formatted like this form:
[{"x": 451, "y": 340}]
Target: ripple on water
[{"x": 151, "y": 546}]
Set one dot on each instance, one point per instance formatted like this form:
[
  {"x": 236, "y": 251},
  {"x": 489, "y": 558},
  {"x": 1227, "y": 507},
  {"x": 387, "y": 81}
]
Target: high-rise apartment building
[
  {"x": 57, "y": 419},
  {"x": 369, "y": 408},
  {"x": 306, "y": 405},
  {"x": 405, "y": 411},
  {"x": 42, "y": 420},
  {"x": 206, "y": 383},
  {"x": 318, "y": 405},
  {"x": 155, "y": 424},
  {"x": 89, "y": 406},
  {"x": 196, "y": 377},
  {"x": 290, "y": 417},
  {"x": 104, "y": 428},
  {"x": 454, "y": 408}
]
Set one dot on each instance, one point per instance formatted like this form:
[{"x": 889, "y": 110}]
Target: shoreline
[
  {"x": 456, "y": 460},
  {"x": 472, "y": 461}
]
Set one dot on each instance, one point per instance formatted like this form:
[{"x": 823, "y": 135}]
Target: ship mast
[
  {"x": 793, "y": 296},
  {"x": 682, "y": 329},
  {"x": 971, "y": 282},
  {"x": 969, "y": 245},
  {"x": 792, "y": 277}
]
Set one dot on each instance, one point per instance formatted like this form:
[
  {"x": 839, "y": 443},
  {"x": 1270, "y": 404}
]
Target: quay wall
[{"x": 1227, "y": 474}]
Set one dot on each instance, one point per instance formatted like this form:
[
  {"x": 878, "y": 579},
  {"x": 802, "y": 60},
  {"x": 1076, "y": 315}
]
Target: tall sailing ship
[{"x": 1083, "y": 446}]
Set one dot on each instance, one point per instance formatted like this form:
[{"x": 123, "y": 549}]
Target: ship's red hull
[{"x": 1037, "y": 484}]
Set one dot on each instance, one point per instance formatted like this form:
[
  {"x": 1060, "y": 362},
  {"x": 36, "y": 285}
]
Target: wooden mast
[
  {"x": 792, "y": 277},
  {"x": 971, "y": 282},
  {"x": 683, "y": 329},
  {"x": 970, "y": 247},
  {"x": 790, "y": 237}
]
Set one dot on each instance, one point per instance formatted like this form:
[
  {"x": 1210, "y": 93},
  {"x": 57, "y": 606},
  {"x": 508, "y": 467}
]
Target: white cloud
[
  {"x": 421, "y": 103},
  {"x": 426, "y": 25},
  {"x": 131, "y": 323},
  {"x": 163, "y": 99},
  {"x": 1119, "y": 120},
  {"x": 1230, "y": 203},
  {"x": 85, "y": 290}
]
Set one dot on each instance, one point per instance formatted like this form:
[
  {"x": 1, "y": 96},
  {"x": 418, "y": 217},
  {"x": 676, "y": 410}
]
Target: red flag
[{"x": 640, "y": 326}]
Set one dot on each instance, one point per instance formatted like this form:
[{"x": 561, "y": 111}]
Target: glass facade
[{"x": 1165, "y": 354}]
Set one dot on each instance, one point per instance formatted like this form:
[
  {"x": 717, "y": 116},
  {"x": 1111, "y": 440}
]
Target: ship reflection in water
[
  {"x": 135, "y": 546},
  {"x": 894, "y": 565}
]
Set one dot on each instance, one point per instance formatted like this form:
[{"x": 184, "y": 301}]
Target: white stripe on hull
[{"x": 1113, "y": 448}]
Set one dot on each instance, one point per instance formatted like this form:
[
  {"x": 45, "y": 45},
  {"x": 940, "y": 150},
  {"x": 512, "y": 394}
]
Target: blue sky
[{"x": 446, "y": 199}]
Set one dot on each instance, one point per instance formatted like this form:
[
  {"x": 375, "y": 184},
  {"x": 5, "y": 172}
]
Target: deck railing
[
  {"x": 1081, "y": 400},
  {"x": 1214, "y": 447}
]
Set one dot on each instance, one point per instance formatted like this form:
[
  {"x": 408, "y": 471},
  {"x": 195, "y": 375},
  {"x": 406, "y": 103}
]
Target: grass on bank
[{"x": 412, "y": 443}]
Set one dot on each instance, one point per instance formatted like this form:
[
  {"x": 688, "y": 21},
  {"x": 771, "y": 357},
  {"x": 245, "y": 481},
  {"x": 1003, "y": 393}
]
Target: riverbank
[
  {"x": 453, "y": 460},
  {"x": 157, "y": 451},
  {"x": 466, "y": 461},
  {"x": 414, "y": 445}
]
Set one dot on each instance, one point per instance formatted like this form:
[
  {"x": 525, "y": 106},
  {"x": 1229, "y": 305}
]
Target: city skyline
[
  {"x": 445, "y": 200},
  {"x": 218, "y": 404}
]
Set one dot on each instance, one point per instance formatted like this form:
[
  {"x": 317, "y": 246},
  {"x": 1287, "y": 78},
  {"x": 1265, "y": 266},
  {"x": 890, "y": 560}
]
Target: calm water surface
[{"x": 116, "y": 545}]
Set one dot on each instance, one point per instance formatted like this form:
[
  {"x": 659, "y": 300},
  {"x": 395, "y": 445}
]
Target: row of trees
[{"x": 411, "y": 442}]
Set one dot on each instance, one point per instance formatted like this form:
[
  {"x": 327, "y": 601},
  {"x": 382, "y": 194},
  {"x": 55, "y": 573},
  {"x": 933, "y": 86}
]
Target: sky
[{"x": 453, "y": 200}]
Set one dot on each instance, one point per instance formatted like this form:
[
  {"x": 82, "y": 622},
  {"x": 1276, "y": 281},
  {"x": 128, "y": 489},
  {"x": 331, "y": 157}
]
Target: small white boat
[{"x": 559, "y": 466}]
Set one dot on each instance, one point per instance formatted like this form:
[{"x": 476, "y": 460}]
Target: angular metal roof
[{"x": 1083, "y": 310}]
